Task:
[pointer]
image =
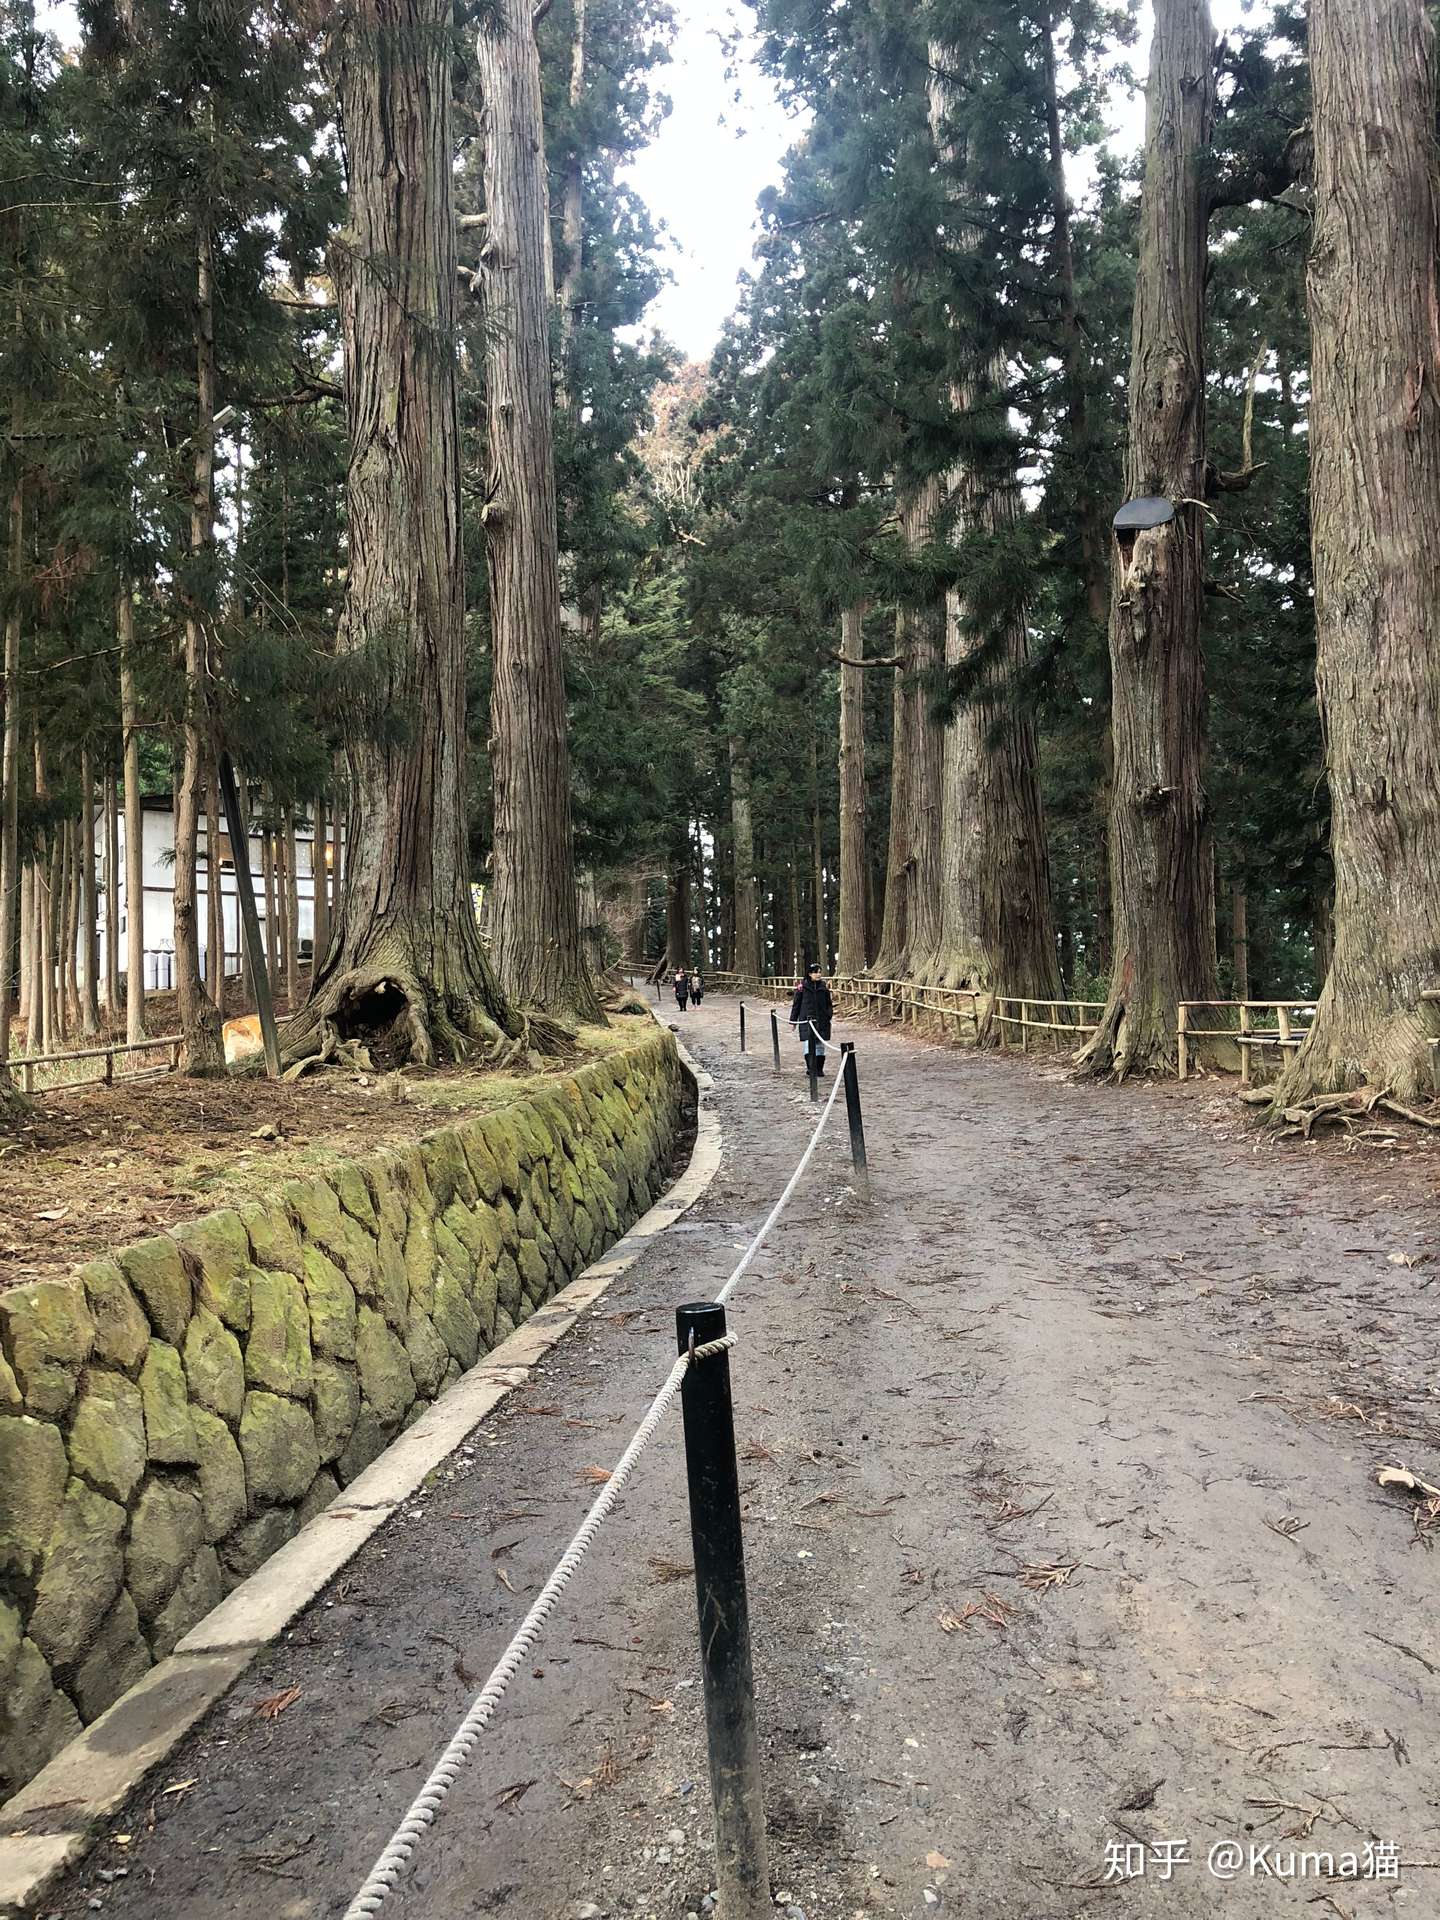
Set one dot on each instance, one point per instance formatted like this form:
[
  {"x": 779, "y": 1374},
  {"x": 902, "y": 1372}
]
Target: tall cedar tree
[
  {"x": 405, "y": 951},
  {"x": 1374, "y": 292},
  {"x": 535, "y": 917},
  {"x": 1161, "y": 860}
]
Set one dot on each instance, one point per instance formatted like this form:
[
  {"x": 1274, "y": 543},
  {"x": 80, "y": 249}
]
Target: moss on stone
[
  {"x": 322, "y": 1490},
  {"x": 385, "y": 1178},
  {"x": 122, "y": 1333},
  {"x": 167, "y": 1531},
  {"x": 447, "y": 1169},
  {"x": 107, "y": 1438},
  {"x": 387, "y": 1385},
  {"x": 395, "y": 1283},
  {"x": 277, "y": 1353},
  {"x": 219, "y": 1247},
  {"x": 275, "y": 1246},
  {"x": 214, "y": 1366},
  {"x": 84, "y": 1568},
  {"x": 38, "y": 1719},
  {"x": 365, "y": 1444},
  {"x": 427, "y": 1353},
  {"x": 354, "y": 1194},
  {"x": 331, "y": 1301},
  {"x": 169, "y": 1429},
  {"x": 277, "y": 1444},
  {"x": 158, "y": 1274},
  {"x": 33, "y": 1474},
  {"x": 221, "y": 1476},
  {"x": 337, "y": 1407},
  {"x": 48, "y": 1333},
  {"x": 483, "y": 1170},
  {"x": 456, "y": 1321}
]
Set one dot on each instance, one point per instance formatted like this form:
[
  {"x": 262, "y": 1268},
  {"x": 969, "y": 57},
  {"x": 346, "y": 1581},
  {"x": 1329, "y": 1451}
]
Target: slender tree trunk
[
  {"x": 271, "y": 889},
  {"x": 817, "y": 848},
  {"x": 201, "y": 1050},
  {"x": 702, "y": 897},
  {"x": 111, "y": 810},
  {"x": 1240, "y": 939},
  {"x": 27, "y": 947},
  {"x": 292, "y": 911},
  {"x": 10, "y": 780},
  {"x": 319, "y": 892},
  {"x": 134, "y": 822},
  {"x": 572, "y": 213},
  {"x": 536, "y": 922},
  {"x": 1374, "y": 293},
  {"x": 853, "y": 852},
  {"x": 1162, "y": 873},
  {"x": 214, "y": 895},
  {"x": 405, "y": 951},
  {"x": 747, "y": 924},
  {"x": 67, "y": 1003},
  {"x": 89, "y": 904}
]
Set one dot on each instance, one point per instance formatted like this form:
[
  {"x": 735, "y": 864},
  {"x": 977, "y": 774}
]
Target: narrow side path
[{"x": 1059, "y": 1535}]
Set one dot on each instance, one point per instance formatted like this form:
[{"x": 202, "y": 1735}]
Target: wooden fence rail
[
  {"x": 26, "y": 1065},
  {"x": 1291, "y": 1023}
]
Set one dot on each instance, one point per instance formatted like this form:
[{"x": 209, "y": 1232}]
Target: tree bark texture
[
  {"x": 111, "y": 810},
  {"x": 405, "y": 953},
  {"x": 912, "y": 868},
  {"x": 201, "y": 1050},
  {"x": 10, "y": 776},
  {"x": 536, "y": 919},
  {"x": 1240, "y": 940},
  {"x": 1162, "y": 872},
  {"x": 1374, "y": 295},
  {"x": 677, "y": 911},
  {"x": 742, "y": 830},
  {"x": 854, "y": 865},
  {"x": 89, "y": 906},
  {"x": 134, "y": 823}
]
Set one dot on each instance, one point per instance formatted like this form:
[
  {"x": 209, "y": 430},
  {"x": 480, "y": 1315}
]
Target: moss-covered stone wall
[{"x": 170, "y": 1416}]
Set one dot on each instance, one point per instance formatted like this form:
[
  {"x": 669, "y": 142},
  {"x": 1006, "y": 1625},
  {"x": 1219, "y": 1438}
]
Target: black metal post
[
  {"x": 775, "y": 1036},
  {"x": 741, "y": 1865},
  {"x": 249, "y": 918},
  {"x": 742, "y": 1026},
  {"x": 853, "y": 1114},
  {"x": 812, "y": 1066}
]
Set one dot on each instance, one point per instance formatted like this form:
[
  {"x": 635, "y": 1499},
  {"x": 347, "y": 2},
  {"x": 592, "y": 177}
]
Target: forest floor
[
  {"x": 1062, "y": 1533},
  {"x": 93, "y": 1167}
]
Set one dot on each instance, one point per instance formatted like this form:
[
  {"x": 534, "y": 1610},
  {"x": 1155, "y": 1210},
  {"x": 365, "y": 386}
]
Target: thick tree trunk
[
  {"x": 677, "y": 912},
  {"x": 111, "y": 809},
  {"x": 405, "y": 955},
  {"x": 134, "y": 823},
  {"x": 201, "y": 1050},
  {"x": 1162, "y": 873},
  {"x": 747, "y": 922},
  {"x": 536, "y": 920},
  {"x": 89, "y": 905},
  {"x": 10, "y": 781},
  {"x": 854, "y": 859},
  {"x": 912, "y": 878},
  {"x": 1374, "y": 293}
]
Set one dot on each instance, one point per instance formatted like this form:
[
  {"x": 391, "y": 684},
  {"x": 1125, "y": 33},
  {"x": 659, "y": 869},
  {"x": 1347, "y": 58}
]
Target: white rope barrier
[{"x": 426, "y": 1805}]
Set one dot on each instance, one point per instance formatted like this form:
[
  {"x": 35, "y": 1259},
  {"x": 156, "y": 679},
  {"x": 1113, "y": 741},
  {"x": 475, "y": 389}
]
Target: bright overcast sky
[{"x": 703, "y": 174}]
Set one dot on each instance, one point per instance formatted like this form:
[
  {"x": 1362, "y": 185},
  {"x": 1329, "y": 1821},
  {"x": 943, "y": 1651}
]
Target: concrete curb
[{"x": 50, "y": 1823}]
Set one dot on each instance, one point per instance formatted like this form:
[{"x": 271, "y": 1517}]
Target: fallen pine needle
[{"x": 275, "y": 1705}]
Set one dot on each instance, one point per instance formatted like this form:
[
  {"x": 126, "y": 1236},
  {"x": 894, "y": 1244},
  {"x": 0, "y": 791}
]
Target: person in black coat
[
  {"x": 682, "y": 988},
  {"x": 811, "y": 1012}
]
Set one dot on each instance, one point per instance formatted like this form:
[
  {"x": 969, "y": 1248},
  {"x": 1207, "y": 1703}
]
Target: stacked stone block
[{"x": 171, "y": 1416}]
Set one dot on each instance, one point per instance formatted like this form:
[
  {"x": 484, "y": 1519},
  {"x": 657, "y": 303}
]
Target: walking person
[
  {"x": 682, "y": 988},
  {"x": 697, "y": 986},
  {"x": 811, "y": 1012}
]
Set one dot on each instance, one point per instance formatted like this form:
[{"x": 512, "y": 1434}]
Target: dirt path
[{"x": 1074, "y": 1332}]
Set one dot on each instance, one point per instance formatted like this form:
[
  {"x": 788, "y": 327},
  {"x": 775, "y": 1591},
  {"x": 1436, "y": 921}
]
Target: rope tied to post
[{"x": 425, "y": 1807}]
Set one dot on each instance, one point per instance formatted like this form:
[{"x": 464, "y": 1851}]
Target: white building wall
[{"x": 158, "y": 826}]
